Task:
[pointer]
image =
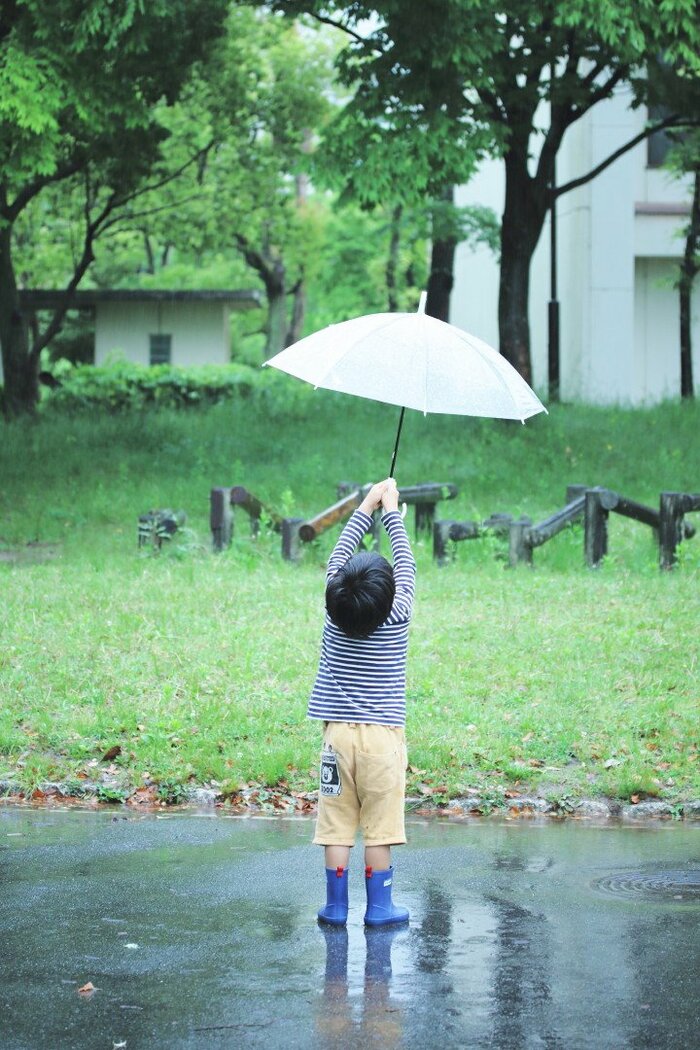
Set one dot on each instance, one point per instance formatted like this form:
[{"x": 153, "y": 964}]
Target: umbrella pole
[{"x": 396, "y": 446}]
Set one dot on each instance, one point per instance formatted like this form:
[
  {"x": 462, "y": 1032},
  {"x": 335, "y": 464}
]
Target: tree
[
  {"x": 80, "y": 85},
  {"x": 685, "y": 161},
  {"x": 439, "y": 85},
  {"x": 252, "y": 120}
]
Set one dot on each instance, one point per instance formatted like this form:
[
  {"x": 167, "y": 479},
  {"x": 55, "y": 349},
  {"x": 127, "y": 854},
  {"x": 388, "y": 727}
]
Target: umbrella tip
[{"x": 422, "y": 302}]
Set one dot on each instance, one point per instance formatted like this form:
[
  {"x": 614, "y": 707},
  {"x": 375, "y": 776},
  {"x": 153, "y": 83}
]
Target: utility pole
[{"x": 553, "y": 305}]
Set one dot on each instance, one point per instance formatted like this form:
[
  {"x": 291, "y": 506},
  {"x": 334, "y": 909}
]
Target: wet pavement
[{"x": 199, "y": 931}]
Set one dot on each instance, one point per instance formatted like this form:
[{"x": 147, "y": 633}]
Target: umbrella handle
[{"x": 396, "y": 446}]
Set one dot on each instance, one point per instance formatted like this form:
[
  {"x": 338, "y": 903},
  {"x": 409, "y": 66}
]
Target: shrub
[{"x": 122, "y": 386}]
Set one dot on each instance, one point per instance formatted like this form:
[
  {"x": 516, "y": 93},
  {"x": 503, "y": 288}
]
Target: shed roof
[{"x": 47, "y": 299}]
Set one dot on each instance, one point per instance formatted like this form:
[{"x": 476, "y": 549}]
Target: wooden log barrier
[
  {"x": 241, "y": 497},
  {"x": 524, "y": 537},
  {"x": 443, "y": 531},
  {"x": 555, "y": 523},
  {"x": 667, "y": 522},
  {"x": 222, "y": 500},
  {"x": 220, "y": 518},
  {"x": 672, "y": 529},
  {"x": 424, "y": 498},
  {"x": 291, "y": 543},
  {"x": 595, "y": 541},
  {"x": 312, "y": 528}
]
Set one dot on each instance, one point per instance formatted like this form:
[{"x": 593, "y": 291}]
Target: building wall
[
  {"x": 199, "y": 330},
  {"x": 617, "y": 260}
]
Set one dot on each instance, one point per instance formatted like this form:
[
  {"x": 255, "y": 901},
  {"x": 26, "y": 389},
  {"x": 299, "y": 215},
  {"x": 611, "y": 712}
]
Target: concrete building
[
  {"x": 157, "y": 327},
  {"x": 619, "y": 243}
]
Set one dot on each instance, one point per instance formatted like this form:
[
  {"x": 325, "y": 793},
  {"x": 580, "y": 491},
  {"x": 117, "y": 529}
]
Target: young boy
[{"x": 360, "y": 694}]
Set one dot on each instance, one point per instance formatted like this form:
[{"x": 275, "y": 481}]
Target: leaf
[
  {"x": 87, "y": 989},
  {"x": 112, "y": 753}
]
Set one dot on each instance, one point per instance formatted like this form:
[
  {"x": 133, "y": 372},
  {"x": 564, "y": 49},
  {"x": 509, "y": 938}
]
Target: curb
[{"x": 473, "y": 806}]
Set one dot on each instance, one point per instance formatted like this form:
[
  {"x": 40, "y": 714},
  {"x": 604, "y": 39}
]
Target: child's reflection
[{"x": 380, "y": 1017}]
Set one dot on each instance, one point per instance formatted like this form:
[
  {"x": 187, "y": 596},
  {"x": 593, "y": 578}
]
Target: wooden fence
[
  {"x": 594, "y": 505},
  {"x": 223, "y": 500},
  {"x": 424, "y": 498},
  {"x": 297, "y": 531}
]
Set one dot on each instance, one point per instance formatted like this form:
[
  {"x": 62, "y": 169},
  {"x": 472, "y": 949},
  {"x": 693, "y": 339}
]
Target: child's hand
[
  {"x": 390, "y": 495},
  {"x": 373, "y": 499}
]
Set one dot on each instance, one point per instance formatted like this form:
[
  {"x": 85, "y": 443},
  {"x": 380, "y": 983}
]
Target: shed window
[{"x": 160, "y": 349}]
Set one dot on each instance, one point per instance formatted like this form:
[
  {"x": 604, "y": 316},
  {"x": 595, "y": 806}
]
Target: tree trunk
[
  {"x": 393, "y": 259},
  {"x": 18, "y": 365},
  {"x": 276, "y": 327},
  {"x": 298, "y": 312},
  {"x": 689, "y": 269},
  {"x": 441, "y": 279},
  {"x": 523, "y": 218}
]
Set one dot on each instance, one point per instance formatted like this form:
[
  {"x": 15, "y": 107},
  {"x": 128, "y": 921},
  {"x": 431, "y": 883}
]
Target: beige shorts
[{"x": 362, "y": 785}]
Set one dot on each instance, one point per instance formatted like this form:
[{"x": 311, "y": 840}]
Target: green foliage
[{"x": 122, "y": 386}]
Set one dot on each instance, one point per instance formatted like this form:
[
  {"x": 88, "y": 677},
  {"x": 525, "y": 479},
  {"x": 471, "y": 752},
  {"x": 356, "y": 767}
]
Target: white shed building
[
  {"x": 150, "y": 327},
  {"x": 619, "y": 244}
]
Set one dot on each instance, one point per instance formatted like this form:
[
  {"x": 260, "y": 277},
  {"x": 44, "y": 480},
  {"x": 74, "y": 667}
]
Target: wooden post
[
  {"x": 519, "y": 549},
  {"x": 453, "y": 531},
  {"x": 672, "y": 507},
  {"x": 596, "y": 528},
  {"x": 220, "y": 518},
  {"x": 291, "y": 543},
  {"x": 425, "y": 517},
  {"x": 574, "y": 492},
  {"x": 441, "y": 532}
]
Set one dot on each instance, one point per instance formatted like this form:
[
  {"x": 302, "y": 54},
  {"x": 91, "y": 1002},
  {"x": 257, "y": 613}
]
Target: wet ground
[{"x": 199, "y": 931}]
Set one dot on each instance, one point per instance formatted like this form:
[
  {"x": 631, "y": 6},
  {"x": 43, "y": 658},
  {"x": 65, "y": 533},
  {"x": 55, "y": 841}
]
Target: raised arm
[
  {"x": 358, "y": 526},
  {"x": 404, "y": 564}
]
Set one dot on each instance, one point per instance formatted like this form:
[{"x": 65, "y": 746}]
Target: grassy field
[{"x": 193, "y": 668}]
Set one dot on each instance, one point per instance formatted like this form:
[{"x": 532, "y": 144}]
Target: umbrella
[{"x": 412, "y": 360}]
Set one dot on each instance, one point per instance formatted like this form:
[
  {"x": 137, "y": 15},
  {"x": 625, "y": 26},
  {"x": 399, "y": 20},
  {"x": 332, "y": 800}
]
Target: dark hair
[{"x": 359, "y": 596}]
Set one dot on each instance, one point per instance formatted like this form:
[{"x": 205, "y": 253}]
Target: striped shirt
[{"x": 364, "y": 679}]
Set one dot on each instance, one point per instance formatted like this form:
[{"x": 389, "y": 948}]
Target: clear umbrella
[{"x": 414, "y": 361}]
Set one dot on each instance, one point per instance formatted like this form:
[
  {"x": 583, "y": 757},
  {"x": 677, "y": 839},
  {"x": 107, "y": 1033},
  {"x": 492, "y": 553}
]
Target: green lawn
[{"x": 557, "y": 679}]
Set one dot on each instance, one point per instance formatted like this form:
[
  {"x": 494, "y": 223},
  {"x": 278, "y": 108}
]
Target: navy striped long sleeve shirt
[{"x": 364, "y": 679}]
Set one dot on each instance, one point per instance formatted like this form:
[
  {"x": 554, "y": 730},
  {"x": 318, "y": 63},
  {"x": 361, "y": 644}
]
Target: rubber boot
[
  {"x": 380, "y": 908},
  {"x": 336, "y": 909}
]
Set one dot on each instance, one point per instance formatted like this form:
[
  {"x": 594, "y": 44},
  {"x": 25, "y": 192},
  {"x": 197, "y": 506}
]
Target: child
[{"x": 360, "y": 694}]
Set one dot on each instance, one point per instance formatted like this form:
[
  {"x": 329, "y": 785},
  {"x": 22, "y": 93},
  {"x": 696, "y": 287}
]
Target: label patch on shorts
[{"x": 330, "y": 774}]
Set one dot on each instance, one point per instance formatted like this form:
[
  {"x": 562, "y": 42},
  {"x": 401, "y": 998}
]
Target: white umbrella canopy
[{"x": 414, "y": 361}]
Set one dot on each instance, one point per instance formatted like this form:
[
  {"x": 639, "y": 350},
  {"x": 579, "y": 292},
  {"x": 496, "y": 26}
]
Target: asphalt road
[{"x": 199, "y": 931}]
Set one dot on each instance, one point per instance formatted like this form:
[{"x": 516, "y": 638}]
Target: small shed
[{"x": 152, "y": 327}]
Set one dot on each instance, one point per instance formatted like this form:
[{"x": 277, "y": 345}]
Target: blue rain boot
[
  {"x": 380, "y": 908},
  {"x": 336, "y": 909}
]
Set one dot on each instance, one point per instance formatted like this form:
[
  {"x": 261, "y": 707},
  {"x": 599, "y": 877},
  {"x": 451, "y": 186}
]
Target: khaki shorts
[{"x": 363, "y": 771}]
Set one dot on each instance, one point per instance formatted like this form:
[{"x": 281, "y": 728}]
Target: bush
[{"x": 123, "y": 386}]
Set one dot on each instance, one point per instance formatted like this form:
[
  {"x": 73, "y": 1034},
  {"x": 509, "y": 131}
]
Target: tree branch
[
  {"x": 675, "y": 121},
  {"x": 92, "y": 229},
  {"x": 339, "y": 25},
  {"x": 35, "y": 187}
]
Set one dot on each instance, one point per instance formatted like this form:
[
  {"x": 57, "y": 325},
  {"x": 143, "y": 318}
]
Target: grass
[{"x": 554, "y": 679}]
